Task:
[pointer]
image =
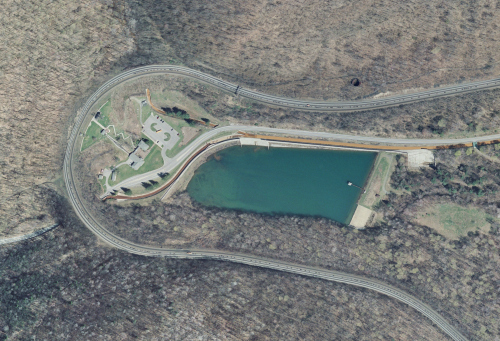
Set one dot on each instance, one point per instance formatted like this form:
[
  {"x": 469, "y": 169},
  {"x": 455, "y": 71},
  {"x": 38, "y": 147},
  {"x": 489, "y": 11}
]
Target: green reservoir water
[{"x": 283, "y": 181}]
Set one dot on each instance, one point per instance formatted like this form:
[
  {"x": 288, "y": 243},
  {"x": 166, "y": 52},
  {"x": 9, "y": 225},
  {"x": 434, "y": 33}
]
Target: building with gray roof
[
  {"x": 143, "y": 145},
  {"x": 135, "y": 161}
]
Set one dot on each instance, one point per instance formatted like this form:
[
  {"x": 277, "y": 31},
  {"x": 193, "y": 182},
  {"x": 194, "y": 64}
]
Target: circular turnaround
[
  {"x": 355, "y": 82},
  {"x": 331, "y": 275}
]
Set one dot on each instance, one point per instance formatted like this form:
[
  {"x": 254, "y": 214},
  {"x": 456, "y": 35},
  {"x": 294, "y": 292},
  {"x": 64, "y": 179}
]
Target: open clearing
[
  {"x": 104, "y": 116},
  {"x": 170, "y": 98},
  {"x": 92, "y": 135},
  {"x": 454, "y": 221},
  {"x": 189, "y": 133}
]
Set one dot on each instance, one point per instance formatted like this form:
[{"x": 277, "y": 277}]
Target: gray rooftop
[
  {"x": 143, "y": 145},
  {"x": 135, "y": 161}
]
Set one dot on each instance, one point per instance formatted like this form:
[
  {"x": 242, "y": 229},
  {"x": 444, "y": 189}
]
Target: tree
[
  {"x": 145, "y": 184},
  {"x": 163, "y": 174},
  {"x": 190, "y": 121},
  {"x": 126, "y": 190}
]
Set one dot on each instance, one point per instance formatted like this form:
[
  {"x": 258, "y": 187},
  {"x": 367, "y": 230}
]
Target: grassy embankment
[
  {"x": 377, "y": 181},
  {"x": 149, "y": 186},
  {"x": 152, "y": 161},
  {"x": 104, "y": 117},
  {"x": 92, "y": 135}
]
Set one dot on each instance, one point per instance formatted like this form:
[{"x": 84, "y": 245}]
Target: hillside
[{"x": 55, "y": 54}]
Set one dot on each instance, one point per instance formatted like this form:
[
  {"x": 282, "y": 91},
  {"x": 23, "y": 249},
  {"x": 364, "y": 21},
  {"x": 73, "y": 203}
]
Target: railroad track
[{"x": 350, "y": 106}]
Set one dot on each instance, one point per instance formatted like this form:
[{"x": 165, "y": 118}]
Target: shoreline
[
  {"x": 184, "y": 178},
  {"x": 176, "y": 175},
  {"x": 181, "y": 178},
  {"x": 366, "y": 182}
]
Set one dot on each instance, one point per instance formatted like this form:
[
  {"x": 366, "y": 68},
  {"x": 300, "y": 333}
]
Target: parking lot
[{"x": 160, "y": 132}]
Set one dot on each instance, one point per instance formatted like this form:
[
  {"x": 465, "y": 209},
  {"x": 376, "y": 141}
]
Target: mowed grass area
[
  {"x": 147, "y": 140},
  {"x": 152, "y": 161},
  {"x": 92, "y": 135},
  {"x": 461, "y": 220},
  {"x": 377, "y": 181},
  {"x": 104, "y": 117},
  {"x": 178, "y": 125},
  {"x": 454, "y": 221},
  {"x": 158, "y": 182}
]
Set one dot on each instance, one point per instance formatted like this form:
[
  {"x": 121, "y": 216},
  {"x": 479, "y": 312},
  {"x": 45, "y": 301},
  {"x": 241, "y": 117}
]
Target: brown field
[{"x": 189, "y": 133}]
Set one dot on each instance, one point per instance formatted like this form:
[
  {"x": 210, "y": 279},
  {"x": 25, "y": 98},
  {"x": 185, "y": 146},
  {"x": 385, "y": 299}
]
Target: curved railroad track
[{"x": 331, "y": 275}]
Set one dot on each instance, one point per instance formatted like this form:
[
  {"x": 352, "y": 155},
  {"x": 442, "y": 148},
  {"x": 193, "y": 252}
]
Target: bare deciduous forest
[
  {"x": 457, "y": 276},
  {"x": 67, "y": 286}
]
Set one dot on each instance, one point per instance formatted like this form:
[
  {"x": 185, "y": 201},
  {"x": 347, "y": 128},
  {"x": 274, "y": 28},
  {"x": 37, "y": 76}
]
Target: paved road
[
  {"x": 27, "y": 236},
  {"x": 101, "y": 231},
  {"x": 202, "y": 139}
]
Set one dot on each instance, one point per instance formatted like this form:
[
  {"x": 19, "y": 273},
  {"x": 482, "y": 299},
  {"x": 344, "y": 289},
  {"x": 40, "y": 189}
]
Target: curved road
[{"x": 330, "y": 275}]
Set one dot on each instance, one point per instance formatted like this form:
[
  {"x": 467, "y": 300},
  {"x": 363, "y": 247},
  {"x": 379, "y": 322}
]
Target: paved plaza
[{"x": 160, "y": 132}]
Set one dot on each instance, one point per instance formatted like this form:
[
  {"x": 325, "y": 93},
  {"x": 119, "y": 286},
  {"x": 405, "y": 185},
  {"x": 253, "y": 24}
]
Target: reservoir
[{"x": 309, "y": 182}]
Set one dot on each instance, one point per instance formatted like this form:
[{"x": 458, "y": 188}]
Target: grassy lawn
[
  {"x": 144, "y": 113},
  {"x": 454, "y": 221},
  {"x": 178, "y": 125},
  {"x": 459, "y": 220},
  {"x": 102, "y": 182},
  {"x": 92, "y": 135},
  {"x": 151, "y": 162},
  {"x": 147, "y": 140},
  {"x": 176, "y": 149},
  {"x": 105, "y": 110},
  {"x": 376, "y": 182},
  {"x": 138, "y": 190}
]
